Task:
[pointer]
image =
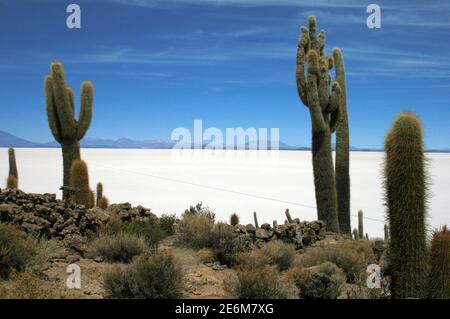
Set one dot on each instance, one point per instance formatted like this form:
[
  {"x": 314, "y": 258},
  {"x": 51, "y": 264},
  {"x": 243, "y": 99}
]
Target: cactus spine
[
  {"x": 323, "y": 104},
  {"x": 99, "y": 193},
  {"x": 256, "y": 220},
  {"x": 66, "y": 130},
  {"x": 405, "y": 196},
  {"x": 342, "y": 149},
  {"x": 439, "y": 279},
  {"x": 360, "y": 224},
  {"x": 79, "y": 177},
  {"x": 234, "y": 219}
]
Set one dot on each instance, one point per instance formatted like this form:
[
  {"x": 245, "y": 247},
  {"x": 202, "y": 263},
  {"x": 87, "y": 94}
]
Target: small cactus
[
  {"x": 79, "y": 178},
  {"x": 405, "y": 197},
  {"x": 275, "y": 224},
  {"x": 11, "y": 182},
  {"x": 234, "y": 219},
  {"x": 288, "y": 215},
  {"x": 91, "y": 199},
  {"x": 367, "y": 236},
  {"x": 438, "y": 286},
  {"x": 99, "y": 193},
  {"x": 386, "y": 232},
  {"x": 104, "y": 203},
  {"x": 12, "y": 164},
  {"x": 256, "y": 220},
  {"x": 360, "y": 224},
  {"x": 355, "y": 234}
]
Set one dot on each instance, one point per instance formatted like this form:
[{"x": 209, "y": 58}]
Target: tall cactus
[
  {"x": 99, "y": 193},
  {"x": 438, "y": 286},
  {"x": 360, "y": 224},
  {"x": 66, "y": 130},
  {"x": 342, "y": 149},
  {"x": 12, "y": 163},
  {"x": 288, "y": 215},
  {"x": 405, "y": 196},
  {"x": 256, "y": 220},
  {"x": 323, "y": 104}
]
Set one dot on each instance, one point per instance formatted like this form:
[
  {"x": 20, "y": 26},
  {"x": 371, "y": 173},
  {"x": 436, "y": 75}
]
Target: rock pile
[{"x": 301, "y": 234}]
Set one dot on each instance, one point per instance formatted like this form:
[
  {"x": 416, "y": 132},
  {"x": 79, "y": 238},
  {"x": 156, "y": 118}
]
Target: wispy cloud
[{"x": 246, "y": 3}]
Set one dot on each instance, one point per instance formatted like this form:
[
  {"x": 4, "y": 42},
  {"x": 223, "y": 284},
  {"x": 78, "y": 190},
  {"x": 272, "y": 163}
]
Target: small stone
[
  {"x": 250, "y": 228},
  {"x": 98, "y": 259},
  {"x": 262, "y": 233}
]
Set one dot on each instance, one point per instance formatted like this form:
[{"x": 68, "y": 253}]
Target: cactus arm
[
  {"x": 321, "y": 42},
  {"x": 84, "y": 120},
  {"x": 71, "y": 100},
  {"x": 62, "y": 102},
  {"x": 324, "y": 83},
  {"x": 318, "y": 122},
  {"x": 312, "y": 33},
  {"x": 303, "y": 47},
  {"x": 52, "y": 116}
]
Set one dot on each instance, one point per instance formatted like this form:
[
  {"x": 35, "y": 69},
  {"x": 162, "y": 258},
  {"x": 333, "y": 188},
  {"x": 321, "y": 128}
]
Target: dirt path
[{"x": 201, "y": 280}]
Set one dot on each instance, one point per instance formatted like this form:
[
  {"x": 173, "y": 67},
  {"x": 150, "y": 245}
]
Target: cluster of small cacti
[
  {"x": 327, "y": 107},
  {"x": 102, "y": 201}
]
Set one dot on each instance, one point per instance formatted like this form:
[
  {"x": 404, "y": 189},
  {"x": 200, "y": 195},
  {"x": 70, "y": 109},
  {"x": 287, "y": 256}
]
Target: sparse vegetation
[
  {"x": 156, "y": 276},
  {"x": 120, "y": 247},
  {"x": 280, "y": 253},
  {"x": 260, "y": 283},
  {"x": 168, "y": 223}
]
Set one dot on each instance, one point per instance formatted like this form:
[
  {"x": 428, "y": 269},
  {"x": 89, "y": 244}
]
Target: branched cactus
[
  {"x": 66, "y": 130},
  {"x": 322, "y": 99},
  {"x": 438, "y": 285},
  {"x": 256, "y": 220},
  {"x": 405, "y": 196},
  {"x": 99, "y": 193},
  {"x": 234, "y": 219},
  {"x": 342, "y": 149},
  {"x": 360, "y": 224},
  {"x": 79, "y": 177}
]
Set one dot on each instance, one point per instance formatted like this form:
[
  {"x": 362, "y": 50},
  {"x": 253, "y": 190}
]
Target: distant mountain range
[{"x": 9, "y": 140}]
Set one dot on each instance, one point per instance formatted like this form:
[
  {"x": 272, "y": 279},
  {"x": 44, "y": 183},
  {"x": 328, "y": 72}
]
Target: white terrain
[{"x": 267, "y": 182}]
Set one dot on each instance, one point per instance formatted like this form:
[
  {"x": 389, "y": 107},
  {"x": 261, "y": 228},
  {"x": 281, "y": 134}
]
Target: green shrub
[
  {"x": 225, "y": 244},
  {"x": 280, "y": 253},
  {"x": 16, "y": 251},
  {"x": 351, "y": 256},
  {"x": 322, "y": 282},
  {"x": 260, "y": 283},
  {"x": 155, "y": 276},
  {"x": 200, "y": 210},
  {"x": 168, "y": 223},
  {"x": 194, "y": 231},
  {"x": 120, "y": 247},
  {"x": 150, "y": 231}
]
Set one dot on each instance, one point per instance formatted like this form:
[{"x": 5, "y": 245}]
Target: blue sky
[{"x": 158, "y": 65}]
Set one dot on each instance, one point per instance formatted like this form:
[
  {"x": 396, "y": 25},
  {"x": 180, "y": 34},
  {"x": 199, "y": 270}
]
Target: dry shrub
[
  {"x": 252, "y": 259},
  {"x": 194, "y": 231},
  {"x": 168, "y": 223},
  {"x": 280, "y": 253},
  {"x": 351, "y": 256},
  {"x": 260, "y": 283},
  {"x": 121, "y": 247},
  {"x": 156, "y": 276},
  {"x": 205, "y": 255}
]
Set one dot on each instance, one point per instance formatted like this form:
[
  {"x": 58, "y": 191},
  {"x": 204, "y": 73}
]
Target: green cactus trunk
[
  {"x": 405, "y": 196},
  {"x": 342, "y": 150},
  {"x": 12, "y": 163},
  {"x": 288, "y": 216},
  {"x": 360, "y": 224},
  {"x": 324, "y": 180},
  {"x": 256, "y": 220},
  {"x": 323, "y": 101},
  {"x": 99, "y": 194},
  {"x": 66, "y": 130},
  {"x": 70, "y": 153}
]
